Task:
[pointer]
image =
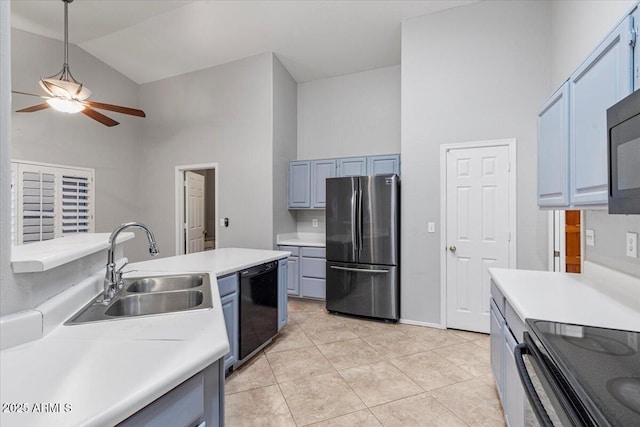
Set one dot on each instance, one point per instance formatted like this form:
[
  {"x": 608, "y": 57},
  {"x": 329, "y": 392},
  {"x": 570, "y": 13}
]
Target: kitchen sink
[
  {"x": 144, "y": 304},
  {"x": 149, "y": 296},
  {"x": 161, "y": 284}
]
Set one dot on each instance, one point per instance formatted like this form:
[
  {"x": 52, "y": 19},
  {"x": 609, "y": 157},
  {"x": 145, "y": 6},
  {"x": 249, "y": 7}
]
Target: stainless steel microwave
[{"x": 623, "y": 125}]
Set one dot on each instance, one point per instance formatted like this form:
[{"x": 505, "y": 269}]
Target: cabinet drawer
[
  {"x": 514, "y": 323},
  {"x": 314, "y": 267},
  {"x": 313, "y": 288},
  {"x": 497, "y": 297},
  {"x": 314, "y": 252},
  {"x": 228, "y": 284},
  {"x": 295, "y": 250}
]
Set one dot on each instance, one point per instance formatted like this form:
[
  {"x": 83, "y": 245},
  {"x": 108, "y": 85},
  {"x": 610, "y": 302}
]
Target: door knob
[{"x": 452, "y": 249}]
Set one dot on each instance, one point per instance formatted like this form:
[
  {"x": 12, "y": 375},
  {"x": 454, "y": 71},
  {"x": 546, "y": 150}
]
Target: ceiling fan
[{"x": 66, "y": 94}]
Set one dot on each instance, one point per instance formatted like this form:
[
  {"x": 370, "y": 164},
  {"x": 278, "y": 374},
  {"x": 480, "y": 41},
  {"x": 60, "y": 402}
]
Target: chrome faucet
[{"x": 113, "y": 277}]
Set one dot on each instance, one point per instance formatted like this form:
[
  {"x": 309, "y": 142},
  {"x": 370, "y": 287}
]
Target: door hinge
[
  {"x": 185, "y": 225},
  {"x": 508, "y": 236},
  {"x": 556, "y": 254},
  {"x": 509, "y": 167}
]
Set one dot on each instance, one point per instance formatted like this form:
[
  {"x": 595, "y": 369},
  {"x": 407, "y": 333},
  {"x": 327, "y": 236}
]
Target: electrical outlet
[
  {"x": 591, "y": 237},
  {"x": 314, "y": 222},
  {"x": 632, "y": 245},
  {"x": 431, "y": 227}
]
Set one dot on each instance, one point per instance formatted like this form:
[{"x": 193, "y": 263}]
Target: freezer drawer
[{"x": 364, "y": 290}]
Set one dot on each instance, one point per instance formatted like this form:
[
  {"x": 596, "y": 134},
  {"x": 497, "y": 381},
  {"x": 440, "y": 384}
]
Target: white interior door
[
  {"x": 194, "y": 212},
  {"x": 477, "y": 231}
]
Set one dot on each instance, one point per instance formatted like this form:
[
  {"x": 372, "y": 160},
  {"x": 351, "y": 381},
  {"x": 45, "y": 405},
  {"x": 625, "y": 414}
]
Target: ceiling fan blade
[
  {"x": 34, "y": 108},
  {"x": 107, "y": 121},
  {"x": 30, "y": 94},
  {"x": 116, "y": 108}
]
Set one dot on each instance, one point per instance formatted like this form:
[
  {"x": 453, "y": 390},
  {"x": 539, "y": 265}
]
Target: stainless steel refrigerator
[{"x": 363, "y": 246}]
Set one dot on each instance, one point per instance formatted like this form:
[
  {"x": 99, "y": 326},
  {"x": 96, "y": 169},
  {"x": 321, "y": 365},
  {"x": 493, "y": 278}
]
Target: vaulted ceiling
[{"x": 149, "y": 40}]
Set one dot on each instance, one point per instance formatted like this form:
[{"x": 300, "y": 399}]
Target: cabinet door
[
  {"x": 383, "y": 165},
  {"x": 513, "y": 395},
  {"x": 282, "y": 292},
  {"x": 496, "y": 323},
  {"x": 300, "y": 184},
  {"x": 320, "y": 171},
  {"x": 293, "y": 276},
  {"x": 313, "y": 287},
  {"x": 553, "y": 149},
  {"x": 230, "y": 312},
  {"x": 352, "y": 166},
  {"x": 602, "y": 80}
]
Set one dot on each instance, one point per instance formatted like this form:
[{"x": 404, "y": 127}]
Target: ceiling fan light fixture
[
  {"x": 65, "y": 105},
  {"x": 65, "y": 89}
]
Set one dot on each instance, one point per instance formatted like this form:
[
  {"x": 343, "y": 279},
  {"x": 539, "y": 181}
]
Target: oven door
[
  {"x": 624, "y": 167},
  {"x": 548, "y": 399}
]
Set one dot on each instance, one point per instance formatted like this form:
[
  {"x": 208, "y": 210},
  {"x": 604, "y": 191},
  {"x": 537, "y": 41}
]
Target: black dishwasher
[{"x": 258, "y": 307}]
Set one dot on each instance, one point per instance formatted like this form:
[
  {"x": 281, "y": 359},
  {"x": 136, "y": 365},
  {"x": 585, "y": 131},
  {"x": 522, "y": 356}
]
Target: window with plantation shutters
[
  {"x": 51, "y": 201},
  {"x": 76, "y": 215}
]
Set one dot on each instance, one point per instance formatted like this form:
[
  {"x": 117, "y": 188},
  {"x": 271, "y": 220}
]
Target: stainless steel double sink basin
[{"x": 146, "y": 296}]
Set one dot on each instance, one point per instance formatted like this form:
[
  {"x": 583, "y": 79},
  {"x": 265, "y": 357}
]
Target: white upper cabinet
[
  {"x": 553, "y": 150},
  {"x": 601, "y": 81},
  {"x": 320, "y": 171},
  {"x": 299, "y": 184},
  {"x": 572, "y": 124},
  {"x": 352, "y": 166},
  {"x": 383, "y": 165}
]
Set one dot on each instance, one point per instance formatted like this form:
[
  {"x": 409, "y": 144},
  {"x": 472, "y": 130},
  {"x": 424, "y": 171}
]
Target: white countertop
[
  {"x": 302, "y": 239},
  {"x": 570, "y": 298},
  {"x": 109, "y": 370},
  {"x": 43, "y": 256}
]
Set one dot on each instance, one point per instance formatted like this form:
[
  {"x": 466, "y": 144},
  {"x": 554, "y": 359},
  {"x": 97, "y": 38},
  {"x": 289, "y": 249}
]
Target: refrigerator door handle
[
  {"x": 358, "y": 270},
  {"x": 360, "y": 231},
  {"x": 354, "y": 224}
]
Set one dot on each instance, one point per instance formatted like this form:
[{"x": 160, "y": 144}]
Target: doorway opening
[
  {"x": 565, "y": 241},
  {"x": 196, "y": 188}
]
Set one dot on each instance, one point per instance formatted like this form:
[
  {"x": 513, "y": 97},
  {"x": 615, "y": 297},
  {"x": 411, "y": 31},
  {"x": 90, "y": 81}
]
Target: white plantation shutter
[
  {"x": 76, "y": 199},
  {"x": 14, "y": 204},
  {"x": 52, "y": 201},
  {"x": 36, "y": 203}
]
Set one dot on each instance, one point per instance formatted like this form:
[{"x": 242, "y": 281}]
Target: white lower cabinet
[
  {"x": 306, "y": 271},
  {"x": 503, "y": 362},
  {"x": 198, "y": 400}
]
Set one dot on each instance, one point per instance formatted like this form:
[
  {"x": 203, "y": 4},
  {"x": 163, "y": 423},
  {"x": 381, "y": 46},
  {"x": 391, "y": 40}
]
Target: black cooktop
[{"x": 602, "y": 367}]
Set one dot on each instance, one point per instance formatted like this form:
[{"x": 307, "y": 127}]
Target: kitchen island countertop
[{"x": 101, "y": 373}]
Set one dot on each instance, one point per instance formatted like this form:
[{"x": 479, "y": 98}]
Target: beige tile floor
[{"x": 328, "y": 370}]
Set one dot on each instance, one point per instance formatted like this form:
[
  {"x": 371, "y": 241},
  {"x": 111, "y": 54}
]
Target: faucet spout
[{"x": 113, "y": 278}]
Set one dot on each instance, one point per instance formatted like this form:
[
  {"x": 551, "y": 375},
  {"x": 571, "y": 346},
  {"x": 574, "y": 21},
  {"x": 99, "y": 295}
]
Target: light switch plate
[
  {"x": 431, "y": 227},
  {"x": 590, "y": 237},
  {"x": 314, "y": 222},
  {"x": 632, "y": 245}
]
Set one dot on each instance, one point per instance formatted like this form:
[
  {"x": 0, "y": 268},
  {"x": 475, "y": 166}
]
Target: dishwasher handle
[
  {"x": 532, "y": 395},
  {"x": 259, "y": 269}
]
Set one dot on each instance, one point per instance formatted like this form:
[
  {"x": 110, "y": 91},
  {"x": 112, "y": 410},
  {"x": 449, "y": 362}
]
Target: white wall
[
  {"x": 285, "y": 102},
  {"x": 353, "y": 115},
  {"x": 223, "y": 115},
  {"x": 577, "y": 28},
  {"x": 475, "y": 72},
  {"x": 53, "y": 137}
]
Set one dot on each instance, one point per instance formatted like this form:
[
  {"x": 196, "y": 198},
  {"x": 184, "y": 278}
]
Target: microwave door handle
[{"x": 536, "y": 404}]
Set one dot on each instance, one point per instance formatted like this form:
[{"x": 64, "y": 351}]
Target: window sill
[{"x": 43, "y": 256}]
